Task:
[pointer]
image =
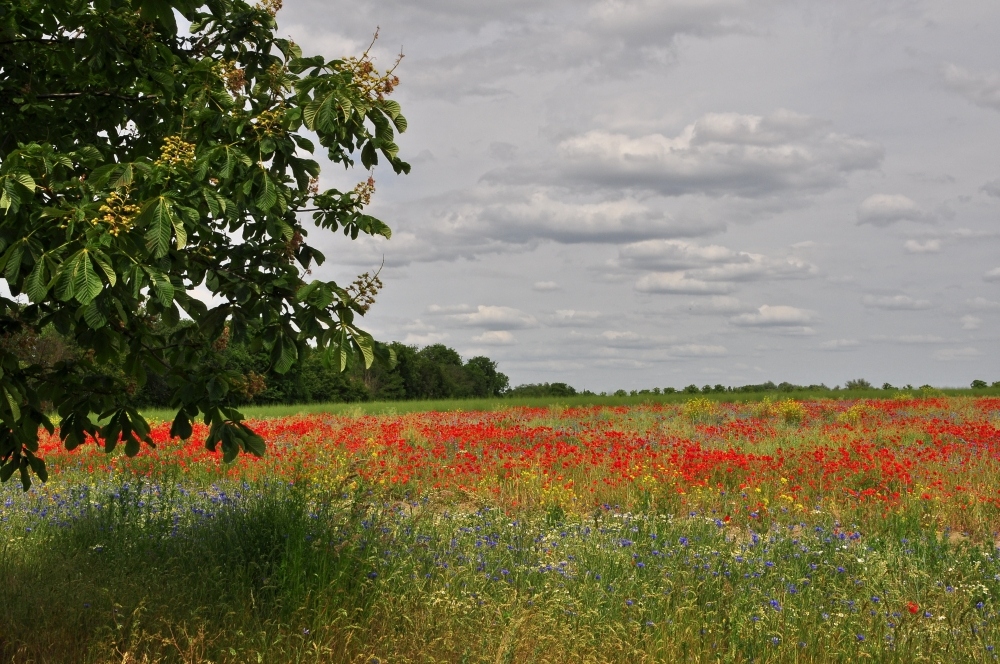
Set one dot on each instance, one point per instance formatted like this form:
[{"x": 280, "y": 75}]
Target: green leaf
[
  {"x": 93, "y": 316},
  {"x": 309, "y": 114},
  {"x": 76, "y": 278},
  {"x": 391, "y": 106},
  {"x": 36, "y": 286},
  {"x": 179, "y": 231},
  {"x": 24, "y": 180},
  {"x": 157, "y": 214},
  {"x": 267, "y": 196},
  {"x": 86, "y": 284},
  {"x": 15, "y": 409},
  {"x": 8, "y": 468},
  {"x": 181, "y": 428},
  {"x": 283, "y": 354},
  {"x": 12, "y": 260},
  {"x": 104, "y": 263},
  {"x": 252, "y": 441},
  {"x": 306, "y": 290},
  {"x": 217, "y": 388},
  {"x": 37, "y": 465},
  {"x": 124, "y": 178},
  {"x": 366, "y": 344},
  {"x": 161, "y": 284},
  {"x": 368, "y": 156}
]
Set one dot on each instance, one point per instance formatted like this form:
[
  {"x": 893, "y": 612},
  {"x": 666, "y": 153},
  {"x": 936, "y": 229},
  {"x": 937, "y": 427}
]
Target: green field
[
  {"x": 641, "y": 529},
  {"x": 443, "y": 405}
]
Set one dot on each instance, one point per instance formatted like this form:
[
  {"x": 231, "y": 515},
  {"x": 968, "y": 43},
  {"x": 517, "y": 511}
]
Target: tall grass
[
  {"x": 149, "y": 562},
  {"x": 238, "y": 573}
]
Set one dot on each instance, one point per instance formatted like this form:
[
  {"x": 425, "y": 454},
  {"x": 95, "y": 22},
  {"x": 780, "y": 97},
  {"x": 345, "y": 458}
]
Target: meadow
[{"x": 676, "y": 529}]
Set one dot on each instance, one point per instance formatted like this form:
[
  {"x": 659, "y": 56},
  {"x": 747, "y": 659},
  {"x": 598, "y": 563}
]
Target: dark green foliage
[
  {"x": 544, "y": 390},
  {"x": 858, "y": 384},
  {"x": 434, "y": 372},
  {"x": 137, "y": 164}
]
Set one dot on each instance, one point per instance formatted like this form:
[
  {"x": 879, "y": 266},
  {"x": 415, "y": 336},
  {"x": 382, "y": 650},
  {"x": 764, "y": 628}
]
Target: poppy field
[{"x": 767, "y": 531}]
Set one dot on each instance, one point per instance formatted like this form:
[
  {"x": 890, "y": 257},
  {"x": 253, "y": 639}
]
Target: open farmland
[{"x": 770, "y": 531}]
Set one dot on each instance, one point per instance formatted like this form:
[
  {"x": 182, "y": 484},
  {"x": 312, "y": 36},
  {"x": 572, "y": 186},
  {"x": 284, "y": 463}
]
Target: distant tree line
[{"x": 432, "y": 372}]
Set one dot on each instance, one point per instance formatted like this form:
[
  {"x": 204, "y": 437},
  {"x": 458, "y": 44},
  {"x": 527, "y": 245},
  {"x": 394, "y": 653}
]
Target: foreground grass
[
  {"x": 240, "y": 573},
  {"x": 770, "y": 532}
]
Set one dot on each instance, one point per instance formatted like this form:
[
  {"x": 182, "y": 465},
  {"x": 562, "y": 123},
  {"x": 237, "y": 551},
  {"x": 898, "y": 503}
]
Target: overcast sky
[{"x": 629, "y": 194}]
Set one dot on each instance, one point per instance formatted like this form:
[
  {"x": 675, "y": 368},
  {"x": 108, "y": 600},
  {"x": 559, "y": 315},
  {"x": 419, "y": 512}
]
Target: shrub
[
  {"x": 791, "y": 411},
  {"x": 700, "y": 409}
]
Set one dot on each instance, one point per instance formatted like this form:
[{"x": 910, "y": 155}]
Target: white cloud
[
  {"x": 511, "y": 215},
  {"x": 710, "y": 262},
  {"x": 927, "y": 247},
  {"x": 895, "y": 302},
  {"x": 910, "y": 339},
  {"x": 886, "y": 209},
  {"x": 717, "y": 304},
  {"x": 992, "y": 275},
  {"x": 774, "y": 316},
  {"x": 573, "y": 318},
  {"x": 448, "y": 309},
  {"x": 721, "y": 154},
  {"x": 495, "y": 338},
  {"x": 418, "y": 325},
  {"x": 757, "y": 267},
  {"x": 982, "y": 88},
  {"x": 840, "y": 344},
  {"x": 667, "y": 255},
  {"x": 677, "y": 283},
  {"x": 792, "y": 331},
  {"x": 486, "y": 219},
  {"x": 957, "y": 354},
  {"x": 681, "y": 267},
  {"x": 971, "y": 322},
  {"x": 620, "y": 335},
  {"x": 543, "y": 286},
  {"x": 496, "y": 318}
]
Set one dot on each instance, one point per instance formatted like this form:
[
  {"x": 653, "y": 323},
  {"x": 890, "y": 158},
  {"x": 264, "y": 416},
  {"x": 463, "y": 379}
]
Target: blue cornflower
[
  {"x": 860, "y": 637},
  {"x": 775, "y": 604}
]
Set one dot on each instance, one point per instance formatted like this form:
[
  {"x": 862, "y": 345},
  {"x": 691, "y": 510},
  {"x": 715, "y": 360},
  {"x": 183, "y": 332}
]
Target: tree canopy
[{"x": 137, "y": 164}]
